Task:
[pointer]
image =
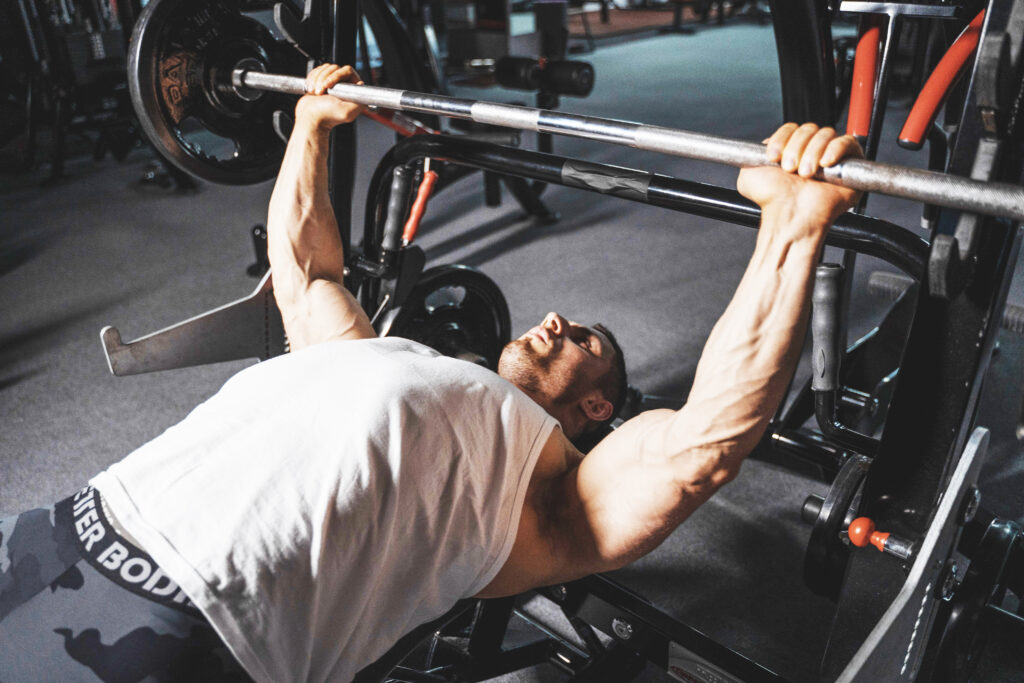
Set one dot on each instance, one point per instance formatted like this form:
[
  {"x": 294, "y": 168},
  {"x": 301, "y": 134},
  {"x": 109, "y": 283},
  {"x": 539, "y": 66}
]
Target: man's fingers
[
  {"x": 314, "y": 79},
  {"x": 311, "y": 78},
  {"x": 840, "y": 148},
  {"x": 321, "y": 78},
  {"x": 347, "y": 74},
  {"x": 777, "y": 142},
  {"x": 330, "y": 77},
  {"x": 325, "y": 78},
  {"x": 812, "y": 152},
  {"x": 795, "y": 146}
]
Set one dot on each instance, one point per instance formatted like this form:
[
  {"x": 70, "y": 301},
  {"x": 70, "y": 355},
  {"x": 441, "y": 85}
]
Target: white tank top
[{"x": 324, "y": 503}]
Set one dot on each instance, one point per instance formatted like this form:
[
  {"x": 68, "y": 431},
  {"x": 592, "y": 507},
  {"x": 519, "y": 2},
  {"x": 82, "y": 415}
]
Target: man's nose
[{"x": 555, "y": 324}]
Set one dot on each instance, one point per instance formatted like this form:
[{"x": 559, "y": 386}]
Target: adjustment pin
[{"x": 862, "y": 531}]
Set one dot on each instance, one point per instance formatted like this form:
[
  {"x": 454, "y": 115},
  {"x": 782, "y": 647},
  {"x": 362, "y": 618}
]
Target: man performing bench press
[{"x": 326, "y": 502}]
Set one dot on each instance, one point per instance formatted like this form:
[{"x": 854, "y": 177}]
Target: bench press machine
[{"x": 904, "y": 454}]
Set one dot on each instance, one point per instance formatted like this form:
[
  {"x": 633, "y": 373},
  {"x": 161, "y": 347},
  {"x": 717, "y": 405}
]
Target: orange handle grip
[
  {"x": 419, "y": 207},
  {"x": 935, "y": 89},
  {"x": 862, "y": 91}
]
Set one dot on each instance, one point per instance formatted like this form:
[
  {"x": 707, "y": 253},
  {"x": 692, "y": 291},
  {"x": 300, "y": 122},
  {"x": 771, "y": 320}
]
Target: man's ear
[{"x": 596, "y": 407}]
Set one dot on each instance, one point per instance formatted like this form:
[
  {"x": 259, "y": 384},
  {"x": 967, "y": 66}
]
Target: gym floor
[{"x": 100, "y": 248}]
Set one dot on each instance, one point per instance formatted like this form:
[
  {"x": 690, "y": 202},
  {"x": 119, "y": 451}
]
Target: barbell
[{"x": 198, "y": 67}]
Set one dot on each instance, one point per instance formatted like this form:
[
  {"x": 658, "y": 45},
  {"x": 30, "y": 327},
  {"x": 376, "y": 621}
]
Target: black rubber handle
[
  {"x": 397, "y": 203},
  {"x": 825, "y": 326}
]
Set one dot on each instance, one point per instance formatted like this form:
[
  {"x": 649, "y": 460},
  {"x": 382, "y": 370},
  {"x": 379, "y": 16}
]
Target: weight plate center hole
[{"x": 443, "y": 298}]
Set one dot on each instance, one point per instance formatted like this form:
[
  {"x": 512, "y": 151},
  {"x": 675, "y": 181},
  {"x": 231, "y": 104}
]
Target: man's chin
[
  {"x": 519, "y": 364},
  {"x": 511, "y": 355},
  {"x": 519, "y": 347}
]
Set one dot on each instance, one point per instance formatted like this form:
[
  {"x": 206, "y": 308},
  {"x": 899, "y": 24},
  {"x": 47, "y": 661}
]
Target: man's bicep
[{"x": 321, "y": 310}]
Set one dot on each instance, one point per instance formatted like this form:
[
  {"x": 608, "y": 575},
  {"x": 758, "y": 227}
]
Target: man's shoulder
[{"x": 357, "y": 355}]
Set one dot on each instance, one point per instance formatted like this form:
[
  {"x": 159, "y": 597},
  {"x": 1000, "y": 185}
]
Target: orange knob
[{"x": 862, "y": 531}]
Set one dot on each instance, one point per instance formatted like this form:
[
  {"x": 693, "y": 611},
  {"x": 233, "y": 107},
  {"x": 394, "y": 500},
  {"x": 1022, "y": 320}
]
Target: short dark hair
[{"x": 613, "y": 384}]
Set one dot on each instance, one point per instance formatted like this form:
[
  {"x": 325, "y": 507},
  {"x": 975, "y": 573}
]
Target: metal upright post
[
  {"x": 871, "y": 151},
  {"x": 892, "y": 33},
  {"x": 339, "y": 35},
  {"x": 803, "y": 38}
]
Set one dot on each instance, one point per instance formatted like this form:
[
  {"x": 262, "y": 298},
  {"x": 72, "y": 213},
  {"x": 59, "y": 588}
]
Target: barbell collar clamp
[
  {"x": 246, "y": 93},
  {"x": 956, "y": 192}
]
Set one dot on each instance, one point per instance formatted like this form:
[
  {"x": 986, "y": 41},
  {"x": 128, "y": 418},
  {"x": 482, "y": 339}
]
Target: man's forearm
[
  {"x": 303, "y": 243},
  {"x": 751, "y": 352}
]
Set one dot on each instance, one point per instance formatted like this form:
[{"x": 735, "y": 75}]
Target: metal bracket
[
  {"x": 953, "y": 257},
  {"x": 894, "y": 9},
  {"x": 993, "y": 87},
  {"x": 394, "y": 291},
  {"x": 259, "y": 245},
  {"x": 247, "y": 328},
  {"x": 283, "y": 124},
  {"x": 300, "y": 32},
  {"x": 996, "y": 81},
  {"x": 893, "y": 650}
]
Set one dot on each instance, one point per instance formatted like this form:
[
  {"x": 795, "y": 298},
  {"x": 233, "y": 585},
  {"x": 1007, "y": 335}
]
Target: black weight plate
[
  {"x": 179, "y": 69},
  {"x": 456, "y": 310},
  {"x": 826, "y": 555}
]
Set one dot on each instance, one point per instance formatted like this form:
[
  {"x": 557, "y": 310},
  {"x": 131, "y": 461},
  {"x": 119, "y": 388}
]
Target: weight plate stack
[
  {"x": 826, "y": 556},
  {"x": 180, "y": 62}
]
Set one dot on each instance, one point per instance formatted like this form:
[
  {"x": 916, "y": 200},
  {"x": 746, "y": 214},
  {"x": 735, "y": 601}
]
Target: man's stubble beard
[
  {"x": 520, "y": 364},
  {"x": 523, "y": 366}
]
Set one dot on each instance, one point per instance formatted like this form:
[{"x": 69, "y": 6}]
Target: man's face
[{"x": 558, "y": 361}]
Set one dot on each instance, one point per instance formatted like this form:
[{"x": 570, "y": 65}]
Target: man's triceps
[
  {"x": 630, "y": 493},
  {"x": 322, "y": 311}
]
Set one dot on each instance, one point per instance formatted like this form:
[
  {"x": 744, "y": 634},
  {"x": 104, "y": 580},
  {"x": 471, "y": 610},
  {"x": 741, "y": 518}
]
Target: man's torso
[{"x": 371, "y": 480}]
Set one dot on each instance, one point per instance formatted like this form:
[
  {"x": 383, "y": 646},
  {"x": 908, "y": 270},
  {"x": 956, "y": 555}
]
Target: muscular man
[{"x": 326, "y": 502}]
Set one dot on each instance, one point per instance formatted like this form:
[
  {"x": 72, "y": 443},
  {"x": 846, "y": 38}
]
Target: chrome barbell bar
[{"x": 955, "y": 192}]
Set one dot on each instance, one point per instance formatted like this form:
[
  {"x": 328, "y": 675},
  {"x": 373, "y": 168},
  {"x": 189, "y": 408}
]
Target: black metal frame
[
  {"x": 955, "y": 319},
  {"x": 804, "y": 45},
  {"x": 935, "y": 400},
  {"x": 865, "y": 234}
]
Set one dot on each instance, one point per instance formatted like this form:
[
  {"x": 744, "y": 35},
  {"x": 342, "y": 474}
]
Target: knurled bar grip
[{"x": 955, "y": 192}]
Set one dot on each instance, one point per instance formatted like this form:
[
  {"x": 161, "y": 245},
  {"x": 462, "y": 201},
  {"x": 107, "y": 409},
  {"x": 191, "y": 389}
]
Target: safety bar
[{"x": 864, "y": 234}]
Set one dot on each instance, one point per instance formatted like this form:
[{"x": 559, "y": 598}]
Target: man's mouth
[{"x": 541, "y": 334}]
